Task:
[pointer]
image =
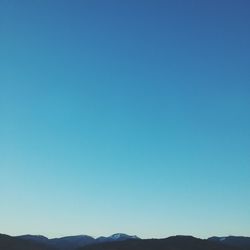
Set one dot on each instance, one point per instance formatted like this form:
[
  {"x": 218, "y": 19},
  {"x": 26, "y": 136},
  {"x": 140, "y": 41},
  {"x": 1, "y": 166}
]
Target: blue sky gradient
[{"x": 125, "y": 116}]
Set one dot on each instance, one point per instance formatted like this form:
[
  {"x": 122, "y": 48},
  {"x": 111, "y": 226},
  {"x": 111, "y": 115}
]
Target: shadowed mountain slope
[
  {"x": 12, "y": 243},
  {"x": 171, "y": 243},
  {"x": 121, "y": 242},
  {"x": 74, "y": 242},
  {"x": 237, "y": 241}
]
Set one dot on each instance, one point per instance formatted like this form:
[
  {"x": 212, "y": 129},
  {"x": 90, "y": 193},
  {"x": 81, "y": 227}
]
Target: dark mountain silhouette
[
  {"x": 116, "y": 237},
  {"x": 122, "y": 242},
  {"x": 64, "y": 243},
  {"x": 36, "y": 238},
  {"x": 74, "y": 242},
  {"x": 12, "y": 243},
  {"x": 171, "y": 243},
  {"x": 237, "y": 241}
]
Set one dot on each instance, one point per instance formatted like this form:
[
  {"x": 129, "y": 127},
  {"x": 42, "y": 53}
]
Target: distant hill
[
  {"x": 116, "y": 237},
  {"x": 74, "y": 242},
  {"x": 64, "y": 243},
  {"x": 237, "y": 241},
  {"x": 13, "y": 243},
  {"x": 121, "y": 241},
  {"x": 171, "y": 243},
  {"x": 35, "y": 238}
]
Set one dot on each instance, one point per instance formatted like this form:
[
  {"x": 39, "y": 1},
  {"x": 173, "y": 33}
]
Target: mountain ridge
[
  {"x": 76, "y": 241},
  {"x": 237, "y": 241},
  {"x": 171, "y": 243},
  {"x": 120, "y": 241}
]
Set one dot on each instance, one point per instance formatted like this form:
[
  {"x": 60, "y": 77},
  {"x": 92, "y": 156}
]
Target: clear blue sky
[{"x": 125, "y": 116}]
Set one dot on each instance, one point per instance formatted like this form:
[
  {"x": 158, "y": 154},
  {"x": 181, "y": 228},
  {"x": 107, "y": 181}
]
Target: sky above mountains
[{"x": 125, "y": 116}]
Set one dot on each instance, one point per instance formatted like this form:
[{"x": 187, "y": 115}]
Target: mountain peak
[
  {"x": 118, "y": 236},
  {"x": 33, "y": 237}
]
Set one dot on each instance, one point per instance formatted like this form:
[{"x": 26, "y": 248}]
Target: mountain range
[
  {"x": 170, "y": 243},
  {"x": 237, "y": 241},
  {"x": 121, "y": 241},
  {"x": 74, "y": 242}
]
